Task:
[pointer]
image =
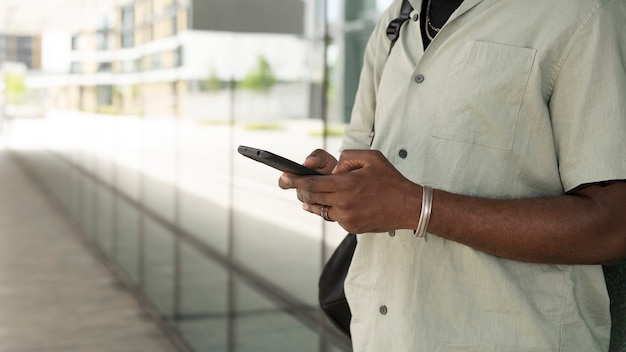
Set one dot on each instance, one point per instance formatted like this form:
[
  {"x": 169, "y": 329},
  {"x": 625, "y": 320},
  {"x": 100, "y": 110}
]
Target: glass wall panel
[
  {"x": 204, "y": 316},
  {"x": 159, "y": 164},
  {"x": 104, "y": 143},
  {"x": 76, "y": 190},
  {"x": 158, "y": 267},
  {"x": 205, "y": 150},
  {"x": 103, "y": 216},
  {"x": 88, "y": 212},
  {"x": 129, "y": 155},
  {"x": 260, "y": 325},
  {"x": 127, "y": 230},
  {"x": 140, "y": 146}
]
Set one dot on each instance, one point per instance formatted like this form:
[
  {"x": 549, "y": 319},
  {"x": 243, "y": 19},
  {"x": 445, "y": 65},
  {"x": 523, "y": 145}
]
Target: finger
[
  {"x": 286, "y": 180},
  {"x": 315, "y": 160},
  {"x": 318, "y": 209},
  {"x": 351, "y": 160},
  {"x": 321, "y": 161},
  {"x": 315, "y": 184},
  {"x": 315, "y": 198}
]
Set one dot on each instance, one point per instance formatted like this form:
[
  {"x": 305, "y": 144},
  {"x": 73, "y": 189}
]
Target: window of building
[
  {"x": 102, "y": 40},
  {"x": 104, "y": 95},
  {"x": 127, "y": 39},
  {"x": 76, "y": 67},
  {"x": 179, "y": 56},
  {"x": 128, "y": 16},
  {"x": 156, "y": 61},
  {"x": 76, "y": 42},
  {"x": 174, "y": 24},
  {"x": 104, "y": 67}
]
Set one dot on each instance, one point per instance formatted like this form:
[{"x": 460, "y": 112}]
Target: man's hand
[
  {"x": 363, "y": 192},
  {"x": 319, "y": 160}
]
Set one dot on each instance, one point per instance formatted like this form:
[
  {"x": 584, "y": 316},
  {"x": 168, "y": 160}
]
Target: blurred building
[
  {"x": 18, "y": 55},
  {"x": 23, "y": 49},
  {"x": 148, "y": 56}
]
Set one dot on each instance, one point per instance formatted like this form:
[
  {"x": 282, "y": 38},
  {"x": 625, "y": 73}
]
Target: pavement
[{"x": 55, "y": 293}]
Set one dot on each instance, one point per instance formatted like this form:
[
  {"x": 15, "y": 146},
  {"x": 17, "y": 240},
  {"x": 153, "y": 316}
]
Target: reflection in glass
[
  {"x": 260, "y": 325},
  {"x": 127, "y": 230},
  {"x": 144, "y": 108},
  {"x": 158, "y": 264},
  {"x": 103, "y": 217},
  {"x": 203, "y": 316}
]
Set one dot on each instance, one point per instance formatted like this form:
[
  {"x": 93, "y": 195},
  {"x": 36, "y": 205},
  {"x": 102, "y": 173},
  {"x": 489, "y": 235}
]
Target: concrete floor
[{"x": 55, "y": 294}]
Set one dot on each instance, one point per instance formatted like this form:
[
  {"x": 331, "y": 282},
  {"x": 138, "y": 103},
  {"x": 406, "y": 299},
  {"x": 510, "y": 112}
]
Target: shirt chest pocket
[{"x": 483, "y": 95}]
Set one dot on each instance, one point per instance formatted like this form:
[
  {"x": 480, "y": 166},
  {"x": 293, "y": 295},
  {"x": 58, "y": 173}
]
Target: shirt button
[
  {"x": 383, "y": 310},
  {"x": 415, "y": 16},
  {"x": 392, "y": 233},
  {"x": 419, "y": 78},
  {"x": 403, "y": 153}
]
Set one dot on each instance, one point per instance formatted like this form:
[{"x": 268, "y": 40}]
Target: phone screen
[{"x": 275, "y": 161}]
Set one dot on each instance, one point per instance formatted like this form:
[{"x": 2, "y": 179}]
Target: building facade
[
  {"x": 150, "y": 56},
  {"x": 23, "y": 49}
]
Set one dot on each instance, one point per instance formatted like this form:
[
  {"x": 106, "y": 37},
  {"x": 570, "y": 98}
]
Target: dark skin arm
[{"x": 587, "y": 226}]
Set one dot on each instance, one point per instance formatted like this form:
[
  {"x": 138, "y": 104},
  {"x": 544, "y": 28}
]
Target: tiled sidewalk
[{"x": 55, "y": 295}]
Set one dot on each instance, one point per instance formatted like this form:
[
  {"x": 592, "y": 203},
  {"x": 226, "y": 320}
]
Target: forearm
[{"x": 583, "y": 228}]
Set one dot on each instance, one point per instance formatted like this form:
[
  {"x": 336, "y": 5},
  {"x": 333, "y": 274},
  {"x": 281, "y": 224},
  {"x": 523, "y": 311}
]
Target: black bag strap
[
  {"x": 393, "y": 33},
  {"x": 393, "y": 29}
]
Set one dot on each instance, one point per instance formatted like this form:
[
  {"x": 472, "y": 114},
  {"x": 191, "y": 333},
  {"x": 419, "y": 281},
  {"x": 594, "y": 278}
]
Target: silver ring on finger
[{"x": 324, "y": 213}]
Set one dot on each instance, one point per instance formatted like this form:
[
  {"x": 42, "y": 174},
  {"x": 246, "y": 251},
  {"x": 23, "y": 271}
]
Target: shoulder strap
[
  {"x": 393, "y": 33},
  {"x": 393, "y": 29}
]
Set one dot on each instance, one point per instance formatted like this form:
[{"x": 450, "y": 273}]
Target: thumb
[
  {"x": 320, "y": 160},
  {"x": 312, "y": 161},
  {"x": 351, "y": 160}
]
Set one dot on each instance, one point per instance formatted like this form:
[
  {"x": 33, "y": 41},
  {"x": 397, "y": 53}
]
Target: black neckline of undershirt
[{"x": 440, "y": 12}]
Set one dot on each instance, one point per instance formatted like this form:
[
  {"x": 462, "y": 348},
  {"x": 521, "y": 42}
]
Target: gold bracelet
[{"x": 427, "y": 207}]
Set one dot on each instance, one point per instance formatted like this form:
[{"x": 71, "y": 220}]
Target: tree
[
  {"x": 212, "y": 83},
  {"x": 15, "y": 88},
  {"x": 261, "y": 78}
]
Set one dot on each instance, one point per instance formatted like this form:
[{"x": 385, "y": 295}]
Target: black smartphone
[{"x": 275, "y": 161}]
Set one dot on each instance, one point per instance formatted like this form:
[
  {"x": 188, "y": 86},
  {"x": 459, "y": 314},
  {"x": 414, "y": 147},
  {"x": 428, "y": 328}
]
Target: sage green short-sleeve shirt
[{"x": 513, "y": 99}]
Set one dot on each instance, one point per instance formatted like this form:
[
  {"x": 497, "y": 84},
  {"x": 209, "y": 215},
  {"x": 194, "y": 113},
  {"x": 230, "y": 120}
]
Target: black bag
[
  {"x": 332, "y": 297},
  {"x": 615, "y": 276},
  {"x": 331, "y": 294}
]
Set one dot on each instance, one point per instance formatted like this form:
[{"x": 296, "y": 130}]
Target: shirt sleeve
[
  {"x": 357, "y": 134},
  {"x": 588, "y": 104}
]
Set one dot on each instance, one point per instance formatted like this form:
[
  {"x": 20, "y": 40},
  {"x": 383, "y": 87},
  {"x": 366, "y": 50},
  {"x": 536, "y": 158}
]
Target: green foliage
[
  {"x": 261, "y": 78},
  {"x": 212, "y": 122},
  {"x": 212, "y": 83},
  {"x": 263, "y": 126},
  {"x": 331, "y": 131},
  {"x": 107, "y": 110},
  {"x": 15, "y": 89}
]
